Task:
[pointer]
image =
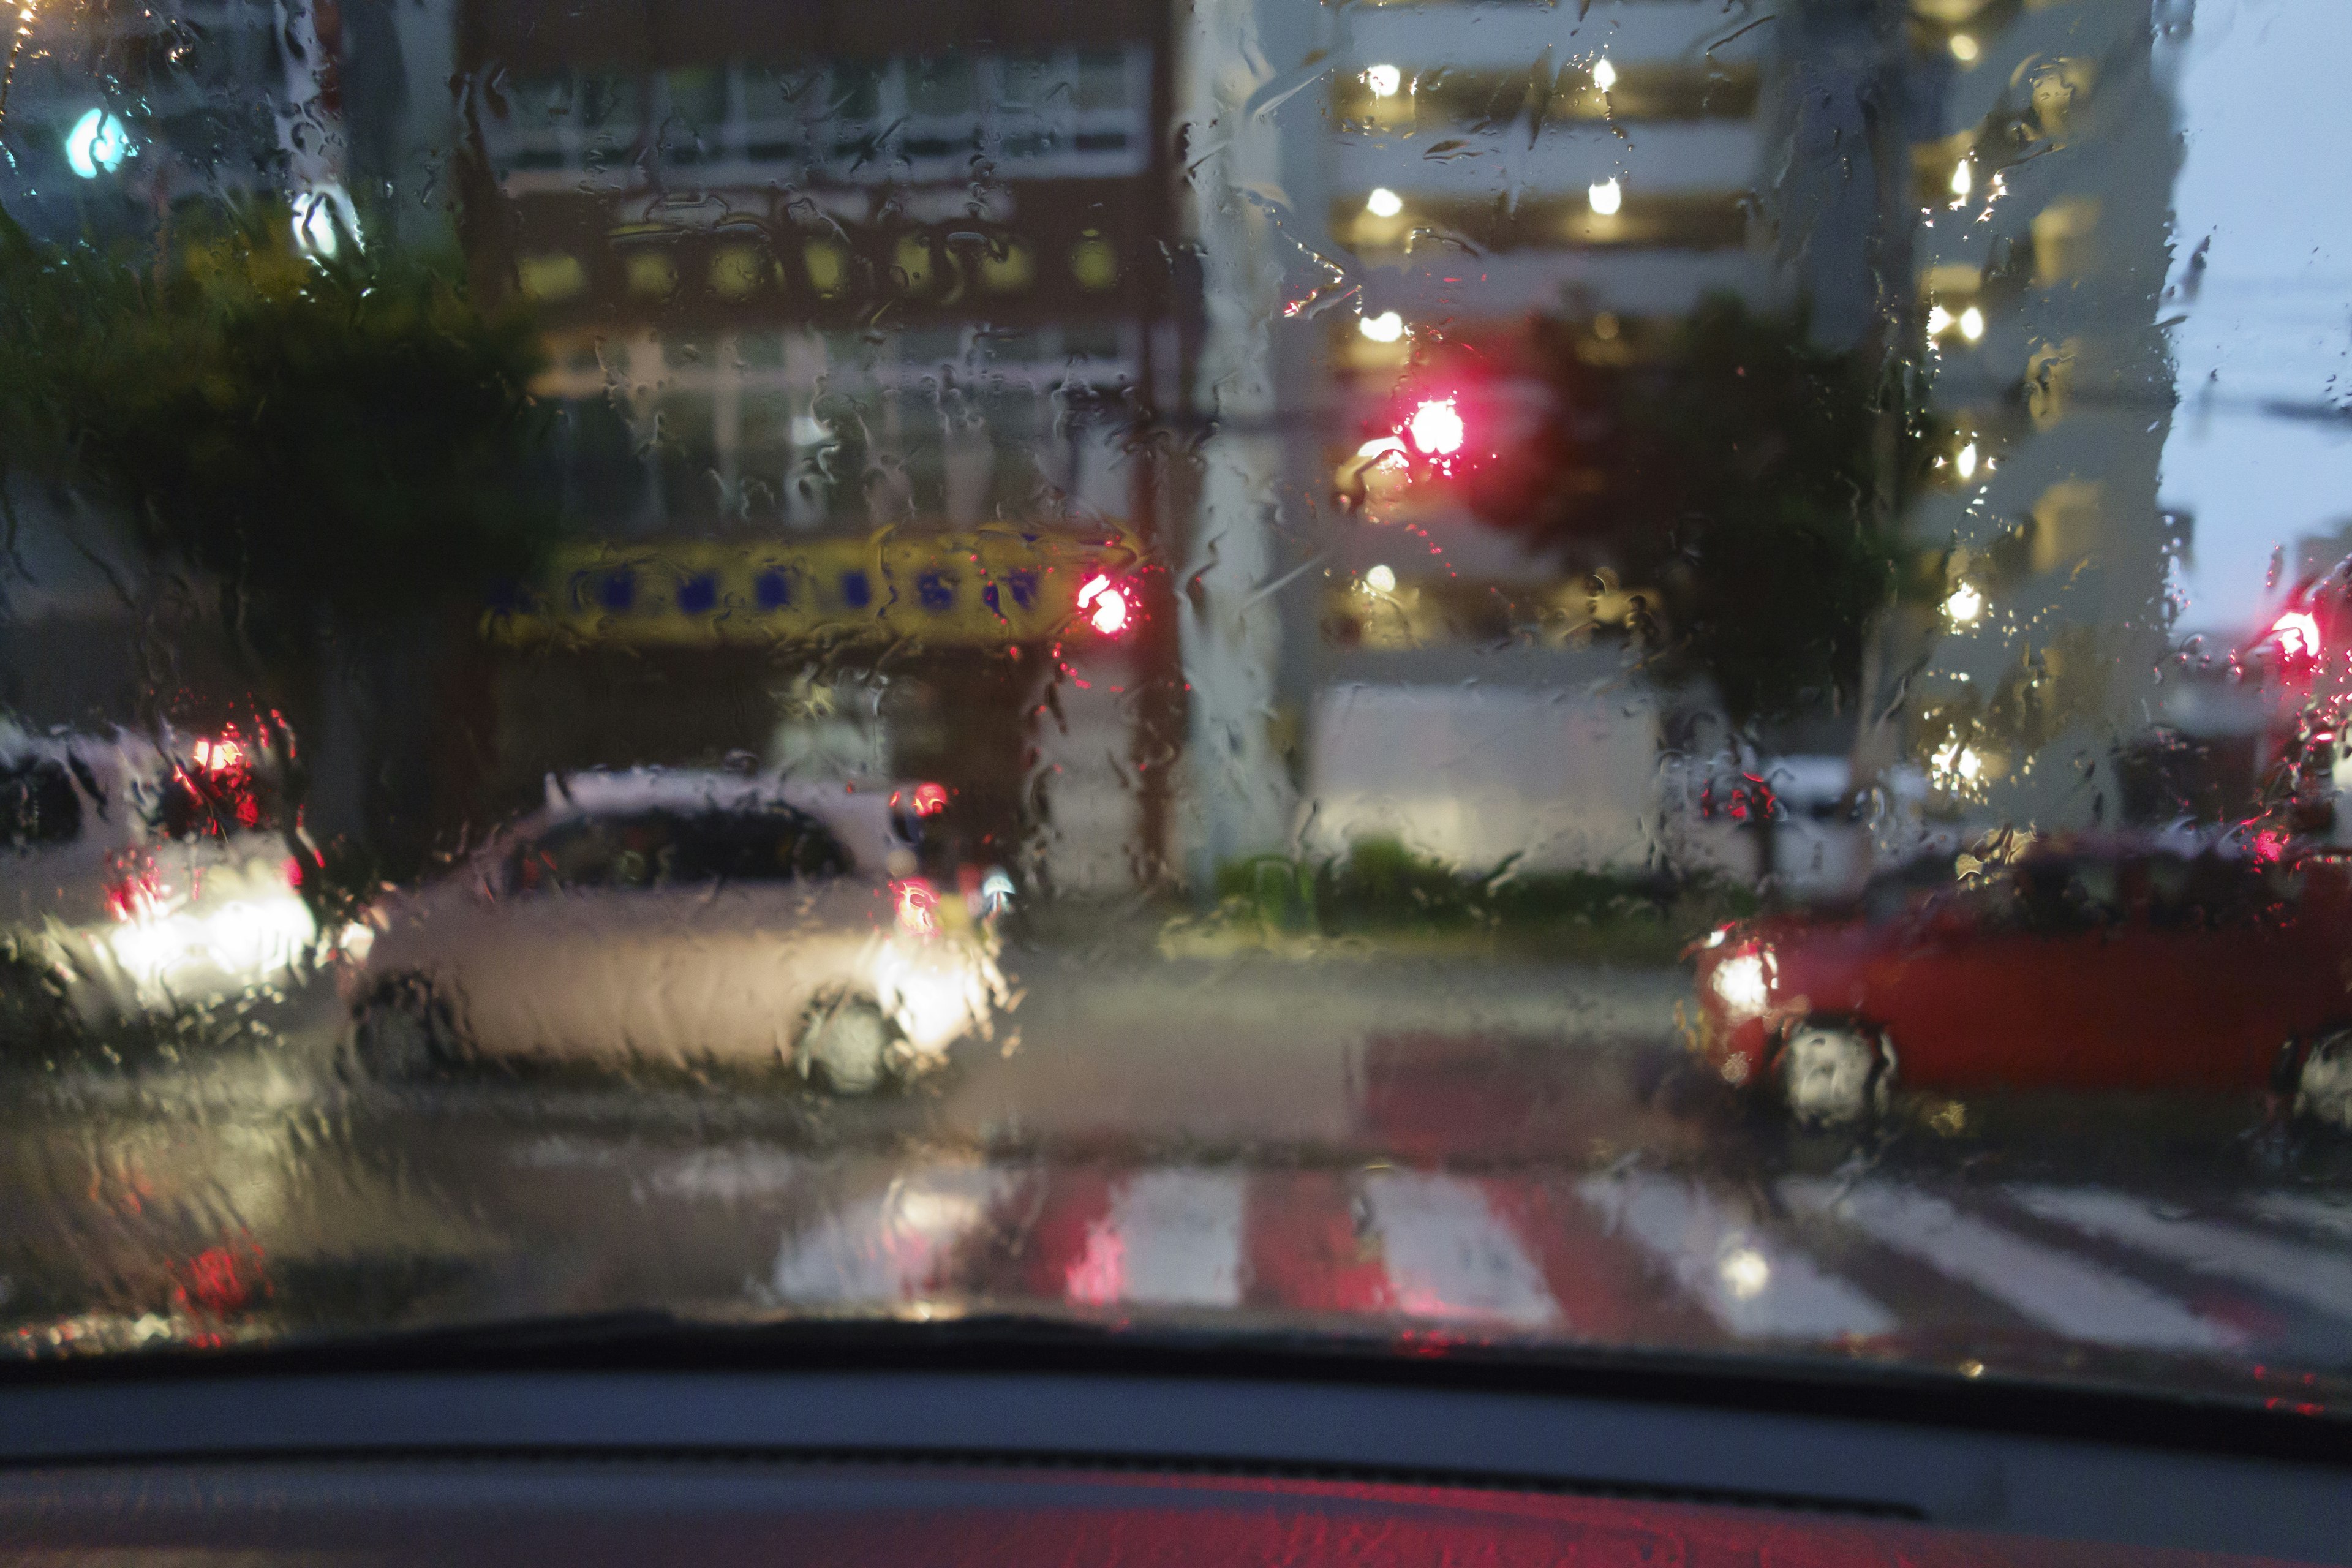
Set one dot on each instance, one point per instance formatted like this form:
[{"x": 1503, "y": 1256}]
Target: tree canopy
[
  {"x": 1730, "y": 469},
  {"x": 348, "y": 438}
]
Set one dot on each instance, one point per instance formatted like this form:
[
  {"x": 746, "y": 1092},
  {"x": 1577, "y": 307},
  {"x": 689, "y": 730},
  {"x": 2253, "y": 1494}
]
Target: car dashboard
[{"x": 1130, "y": 1460}]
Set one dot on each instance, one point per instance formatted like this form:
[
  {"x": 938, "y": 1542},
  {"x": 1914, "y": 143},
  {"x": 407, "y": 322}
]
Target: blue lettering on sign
[
  {"x": 856, "y": 591},
  {"x": 616, "y": 591},
  {"x": 988, "y": 598},
  {"x": 772, "y": 589},
  {"x": 1023, "y": 584},
  {"x": 697, "y": 595},
  {"x": 936, "y": 591}
]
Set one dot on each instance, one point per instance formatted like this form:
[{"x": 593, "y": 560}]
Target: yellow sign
[{"x": 992, "y": 586}]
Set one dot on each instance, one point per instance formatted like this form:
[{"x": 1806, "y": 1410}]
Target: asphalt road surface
[{"x": 1369, "y": 1145}]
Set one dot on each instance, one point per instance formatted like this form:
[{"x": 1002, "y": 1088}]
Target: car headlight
[{"x": 1742, "y": 983}]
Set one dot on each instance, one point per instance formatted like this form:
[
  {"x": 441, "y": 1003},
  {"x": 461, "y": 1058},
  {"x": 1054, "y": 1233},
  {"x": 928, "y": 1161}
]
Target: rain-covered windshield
[{"x": 1620, "y": 675}]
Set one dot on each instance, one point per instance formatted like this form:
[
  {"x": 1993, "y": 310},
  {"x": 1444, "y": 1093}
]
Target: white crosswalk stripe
[
  {"x": 1177, "y": 1236},
  {"x": 1748, "y": 1280},
  {"x": 2072, "y": 1295},
  {"x": 2306, "y": 1211},
  {"x": 728, "y": 1174},
  {"x": 890, "y": 1246},
  {"x": 1449, "y": 1256},
  {"x": 2321, "y": 1280}
]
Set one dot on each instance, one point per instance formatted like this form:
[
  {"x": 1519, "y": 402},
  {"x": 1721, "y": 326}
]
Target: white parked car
[
  {"x": 141, "y": 879},
  {"x": 680, "y": 917}
]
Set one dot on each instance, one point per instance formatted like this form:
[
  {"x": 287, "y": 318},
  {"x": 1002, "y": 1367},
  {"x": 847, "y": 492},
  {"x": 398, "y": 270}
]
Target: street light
[
  {"x": 97, "y": 144},
  {"x": 320, "y": 217},
  {"x": 1606, "y": 197}
]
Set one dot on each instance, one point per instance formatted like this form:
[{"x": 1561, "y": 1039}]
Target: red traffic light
[
  {"x": 2296, "y": 633},
  {"x": 1436, "y": 427},
  {"x": 1104, "y": 606}
]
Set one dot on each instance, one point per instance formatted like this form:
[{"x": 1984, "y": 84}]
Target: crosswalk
[{"x": 1633, "y": 1256}]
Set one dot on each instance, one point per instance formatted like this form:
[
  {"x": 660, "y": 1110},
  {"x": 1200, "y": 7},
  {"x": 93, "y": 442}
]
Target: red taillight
[
  {"x": 917, "y": 903},
  {"x": 923, "y": 800},
  {"x": 1104, "y": 604}
]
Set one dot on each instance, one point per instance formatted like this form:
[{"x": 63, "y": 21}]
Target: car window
[{"x": 653, "y": 849}]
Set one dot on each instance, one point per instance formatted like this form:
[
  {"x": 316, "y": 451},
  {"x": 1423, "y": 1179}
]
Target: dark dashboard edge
[{"x": 1859, "y": 1389}]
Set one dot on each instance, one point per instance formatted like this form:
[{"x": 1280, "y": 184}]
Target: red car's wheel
[{"x": 1832, "y": 1073}]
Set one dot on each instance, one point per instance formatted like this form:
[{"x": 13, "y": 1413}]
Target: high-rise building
[
  {"x": 2043, "y": 181},
  {"x": 1408, "y": 183},
  {"x": 848, "y": 313}
]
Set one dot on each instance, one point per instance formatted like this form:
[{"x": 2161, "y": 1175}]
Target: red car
[{"x": 2223, "y": 971}]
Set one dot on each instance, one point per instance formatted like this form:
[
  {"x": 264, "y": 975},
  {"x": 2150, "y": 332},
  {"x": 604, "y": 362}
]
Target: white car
[
  {"x": 140, "y": 878},
  {"x": 667, "y": 916}
]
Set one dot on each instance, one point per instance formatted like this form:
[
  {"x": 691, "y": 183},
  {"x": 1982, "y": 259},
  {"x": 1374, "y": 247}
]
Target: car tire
[
  {"x": 1833, "y": 1074},
  {"x": 34, "y": 1014},
  {"x": 849, "y": 1043},
  {"x": 405, "y": 1032},
  {"x": 2323, "y": 1082}
]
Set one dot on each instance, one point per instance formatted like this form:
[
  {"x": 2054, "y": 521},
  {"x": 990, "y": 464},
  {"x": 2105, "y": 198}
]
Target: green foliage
[
  {"x": 1735, "y": 474},
  {"x": 1379, "y": 887},
  {"x": 347, "y": 440}
]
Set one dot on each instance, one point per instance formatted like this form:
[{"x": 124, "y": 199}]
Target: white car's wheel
[
  {"x": 849, "y": 1042},
  {"x": 2323, "y": 1085},
  {"x": 404, "y": 1031},
  {"x": 1832, "y": 1075}
]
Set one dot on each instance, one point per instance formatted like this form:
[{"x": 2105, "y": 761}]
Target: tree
[
  {"x": 342, "y": 448},
  {"x": 339, "y": 444},
  {"x": 1730, "y": 472}
]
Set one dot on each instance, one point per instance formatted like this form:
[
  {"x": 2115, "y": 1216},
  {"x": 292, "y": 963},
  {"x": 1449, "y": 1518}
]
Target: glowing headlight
[{"x": 1740, "y": 983}]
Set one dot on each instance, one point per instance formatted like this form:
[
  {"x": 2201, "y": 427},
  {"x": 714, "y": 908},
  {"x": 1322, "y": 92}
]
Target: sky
[{"x": 2267, "y": 178}]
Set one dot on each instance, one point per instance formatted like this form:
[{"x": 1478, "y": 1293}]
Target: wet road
[{"x": 1370, "y": 1142}]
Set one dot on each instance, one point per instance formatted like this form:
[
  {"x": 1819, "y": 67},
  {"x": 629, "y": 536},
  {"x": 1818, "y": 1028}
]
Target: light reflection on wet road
[{"x": 1280, "y": 1142}]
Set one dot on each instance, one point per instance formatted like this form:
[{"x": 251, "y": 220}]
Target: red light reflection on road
[{"x": 918, "y": 905}]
